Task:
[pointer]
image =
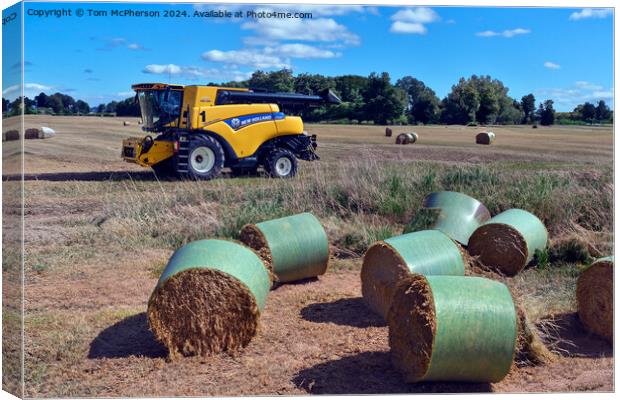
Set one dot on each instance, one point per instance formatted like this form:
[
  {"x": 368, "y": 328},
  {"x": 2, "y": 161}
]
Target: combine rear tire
[
  {"x": 206, "y": 158},
  {"x": 281, "y": 163}
]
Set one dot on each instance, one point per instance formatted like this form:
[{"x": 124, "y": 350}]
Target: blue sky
[{"x": 558, "y": 53}]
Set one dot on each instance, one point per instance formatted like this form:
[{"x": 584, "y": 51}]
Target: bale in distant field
[
  {"x": 458, "y": 215},
  {"x": 46, "y": 133},
  {"x": 388, "y": 132},
  {"x": 294, "y": 247},
  {"x": 11, "y": 135},
  {"x": 508, "y": 241},
  {"x": 209, "y": 298},
  {"x": 452, "y": 328},
  {"x": 595, "y": 297},
  {"x": 386, "y": 262},
  {"x": 406, "y": 138},
  {"x": 402, "y": 139},
  {"x": 534, "y": 126},
  {"x": 32, "y": 133},
  {"x": 139, "y": 122},
  {"x": 126, "y": 123},
  {"x": 485, "y": 138}
]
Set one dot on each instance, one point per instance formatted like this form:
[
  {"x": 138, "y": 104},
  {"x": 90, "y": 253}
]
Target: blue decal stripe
[{"x": 247, "y": 120}]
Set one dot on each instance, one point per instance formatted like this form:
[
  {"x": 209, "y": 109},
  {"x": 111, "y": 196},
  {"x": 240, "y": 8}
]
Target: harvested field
[{"x": 100, "y": 231}]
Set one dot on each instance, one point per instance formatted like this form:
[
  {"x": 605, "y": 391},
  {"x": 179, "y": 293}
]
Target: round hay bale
[
  {"x": 10, "y": 135},
  {"x": 387, "y": 262},
  {"x": 508, "y": 241},
  {"x": 209, "y": 298},
  {"x": 458, "y": 215},
  {"x": 452, "y": 328},
  {"x": 388, "y": 132},
  {"x": 126, "y": 123},
  {"x": 294, "y": 247},
  {"x": 46, "y": 133},
  {"x": 402, "y": 139},
  {"x": 485, "y": 138},
  {"x": 595, "y": 297},
  {"x": 406, "y": 138},
  {"x": 139, "y": 122},
  {"x": 534, "y": 126},
  {"x": 31, "y": 133}
]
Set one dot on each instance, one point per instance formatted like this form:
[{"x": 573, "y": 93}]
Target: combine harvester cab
[{"x": 195, "y": 131}]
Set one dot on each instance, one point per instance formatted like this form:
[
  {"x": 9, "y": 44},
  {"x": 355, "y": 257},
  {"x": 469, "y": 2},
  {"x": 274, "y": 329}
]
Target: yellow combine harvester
[{"x": 202, "y": 129}]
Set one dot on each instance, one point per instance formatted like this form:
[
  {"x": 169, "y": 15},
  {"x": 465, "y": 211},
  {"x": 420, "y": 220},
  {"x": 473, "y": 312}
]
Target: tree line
[{"x": 373, "y": 99}]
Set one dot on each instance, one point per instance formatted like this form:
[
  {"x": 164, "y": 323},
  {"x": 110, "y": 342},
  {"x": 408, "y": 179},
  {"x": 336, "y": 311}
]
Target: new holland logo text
[{"x": 246, "y": 120}]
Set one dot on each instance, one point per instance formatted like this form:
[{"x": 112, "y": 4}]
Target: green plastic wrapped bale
[
  {"x": 595, "y": 297},
  {"x": 455, "y": 214},
  {"x": 452, "y": 328},
  {"x": 386, "y": 262},
  {"x": 508, "y": 241},
  {"x": 294, "y": 247},
  {"x": 209, "y": 298}
]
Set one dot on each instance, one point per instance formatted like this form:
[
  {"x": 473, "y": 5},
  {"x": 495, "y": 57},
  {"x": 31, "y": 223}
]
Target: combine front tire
[
  {"x": 281, "y": 163},
  {"x": 206, "y": 158}
]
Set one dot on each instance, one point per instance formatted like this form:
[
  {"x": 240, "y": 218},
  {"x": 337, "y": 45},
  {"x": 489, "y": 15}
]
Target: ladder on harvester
[{"x": 182, "y": 158}]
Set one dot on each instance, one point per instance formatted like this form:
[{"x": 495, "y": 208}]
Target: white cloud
[
  {"x": 277, "y": 56},
  {"x": 551, "y": 65},
  {"x": 590, "y": 13},
  {"x": 298, "y": 50},
  {"x": 135, "y": 46},
  {"x": 194, "y": 73},
  {"x": 258, "y": 41},
  {"x": 421, "y": 15},
  {"x": 314, "y": 30},
  {"x": 117, "y": 42},
  {"x": 508, "y": 33},
  {"x": 171, "y": 69},
  {"x": 413, "y": 20},
  {"x": 125, "y": 94},
  {"x": 30, "y": 90},
  {"x": 408, "y": 27},
  {"x": 587, "y": 85},
  {"x": 249, "y": 57},
  {"x": 567, "y": 98}
]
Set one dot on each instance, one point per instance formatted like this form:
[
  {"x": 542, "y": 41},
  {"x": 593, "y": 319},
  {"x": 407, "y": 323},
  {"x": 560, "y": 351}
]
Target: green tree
[
  {"x": 41, "y": 100},
  {"x": 128, "y": 107},
  {"x": 422, "y": 102},
  {"x": 101, "y": 108},
  {"x": 276, "y": 81},
  {"x": 111, "y": 106},
  {"x": 528, "y": 105},
  {"x": 588, "y": 112},
  {"x": 383, "y": 101},
  {"x": 82, "y": 107},
  {"x": 489, "y": 102},
  {"x": 602, "y": 111},
  {"x": 547, "y": 113}
]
